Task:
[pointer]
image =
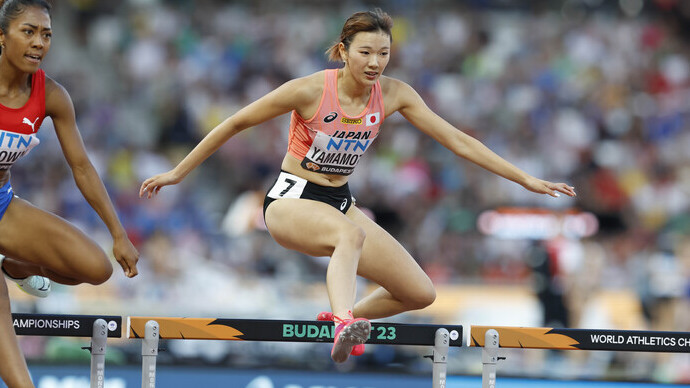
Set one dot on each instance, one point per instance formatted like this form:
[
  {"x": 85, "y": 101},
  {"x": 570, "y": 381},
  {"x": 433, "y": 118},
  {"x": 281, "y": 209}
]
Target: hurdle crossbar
[
  {"x": 490, "y": 338},
  {"x": 585, "y": 339},
  {"x": 62, "y": 325},
  {"x": 287, "y": 330},
  {"x": 152, "y": 329}
]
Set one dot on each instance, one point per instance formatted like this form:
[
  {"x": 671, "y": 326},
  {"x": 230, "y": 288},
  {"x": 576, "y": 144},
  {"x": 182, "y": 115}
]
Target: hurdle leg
[
  {"x": 489, "y": 359},
  {"x": 440, "y": 358},
  {"x": 149, "y": 351},
  {"x": 98, "y": 342}
]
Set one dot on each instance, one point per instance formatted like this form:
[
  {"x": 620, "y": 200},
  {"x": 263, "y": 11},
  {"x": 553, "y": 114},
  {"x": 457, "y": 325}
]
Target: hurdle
[
  {"x": 441, "y": 337},
  {"x": 152, "y": 329},
  {"x": 491, "y": 338},
  {"x": 98, "y": 327}
]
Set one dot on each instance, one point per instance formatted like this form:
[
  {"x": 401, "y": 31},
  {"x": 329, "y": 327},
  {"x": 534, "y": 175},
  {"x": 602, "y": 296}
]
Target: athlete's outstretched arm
[
  {"x": 60, "y": 108},
  {"x": 412, "y": 107},
  {"x": 280, "y": 101}
]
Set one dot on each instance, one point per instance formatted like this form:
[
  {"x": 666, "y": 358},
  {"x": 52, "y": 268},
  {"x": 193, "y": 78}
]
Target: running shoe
[
  {"x": 33, "y": 285},
  {"x": 357, "y": 350},
  {"x": 325, "y": 316},
  {"x": 348, "y": 334}
]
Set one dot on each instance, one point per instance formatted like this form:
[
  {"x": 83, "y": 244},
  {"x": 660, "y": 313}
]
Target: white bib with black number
[{"x": 287, "y": 186}]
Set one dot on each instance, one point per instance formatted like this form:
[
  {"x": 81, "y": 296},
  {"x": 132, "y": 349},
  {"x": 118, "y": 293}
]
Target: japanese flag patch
[{"x": 373, "y": 119}]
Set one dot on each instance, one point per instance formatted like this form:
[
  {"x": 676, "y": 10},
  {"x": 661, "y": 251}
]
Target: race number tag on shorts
[{"x": 287, "y": 186}]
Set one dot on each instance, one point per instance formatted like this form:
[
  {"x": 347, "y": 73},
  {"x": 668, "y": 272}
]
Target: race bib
[
  {"x": 287, "y": 186},
  {"x": 330, "y": 155},
  {"x": 13, "y": 146}
]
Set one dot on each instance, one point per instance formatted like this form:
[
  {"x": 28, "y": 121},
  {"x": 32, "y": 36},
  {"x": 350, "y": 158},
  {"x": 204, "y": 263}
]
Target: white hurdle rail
[
  {"x": 98, "y": 327},
  {"x": 152, "y": 329}
]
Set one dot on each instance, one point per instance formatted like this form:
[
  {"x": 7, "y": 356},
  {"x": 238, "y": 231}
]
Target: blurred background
[{"x": 590, "y": 92}]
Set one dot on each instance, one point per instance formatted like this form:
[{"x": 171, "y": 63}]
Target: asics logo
[
  {"x": 330, "y": 117},
  {"x": 342, "y": 205},
  {"x": 29, "y": 123}
]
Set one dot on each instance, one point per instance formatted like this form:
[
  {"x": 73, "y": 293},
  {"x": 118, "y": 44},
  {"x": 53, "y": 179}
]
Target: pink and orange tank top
[
  {"x": 332, "y": 142},
  {"x": 18, "y": 127}
]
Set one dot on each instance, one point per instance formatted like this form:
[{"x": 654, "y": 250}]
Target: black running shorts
[{"x": 292, "y": 186}]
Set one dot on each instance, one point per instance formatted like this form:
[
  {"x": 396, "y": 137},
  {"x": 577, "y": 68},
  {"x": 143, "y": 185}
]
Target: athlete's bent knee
[
  {"x": 353, "y": 235},
  {"x": 99, "y": 271},
  {"x": 422, "y": 297},
  {"x": 103, "y": 273}
]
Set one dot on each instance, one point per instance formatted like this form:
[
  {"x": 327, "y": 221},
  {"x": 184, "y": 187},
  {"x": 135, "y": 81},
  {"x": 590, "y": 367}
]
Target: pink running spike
[
  {"x": 357, "y": 350},
  {"x": 348, "y": 334}
]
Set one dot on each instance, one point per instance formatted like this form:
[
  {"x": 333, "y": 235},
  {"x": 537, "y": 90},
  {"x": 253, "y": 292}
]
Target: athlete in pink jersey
[
  {"x": 331, "y": 141},
  {"x": 34, "y": 244},
  {"x": 335, "y": 116}
]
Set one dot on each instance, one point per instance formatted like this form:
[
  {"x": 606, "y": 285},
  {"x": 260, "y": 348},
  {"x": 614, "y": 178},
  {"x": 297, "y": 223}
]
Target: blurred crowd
[{"x": 585, "y": 92}]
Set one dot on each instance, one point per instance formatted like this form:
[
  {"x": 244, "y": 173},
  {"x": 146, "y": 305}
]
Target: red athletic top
[
  {"x": 18, "y": 126},
  {"x": 332, "y": 142}
]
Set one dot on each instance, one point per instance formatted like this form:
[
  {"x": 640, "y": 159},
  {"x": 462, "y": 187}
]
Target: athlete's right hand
[
  {"x": 153, "y": 185},
  {"x": 126, "y": 255}
]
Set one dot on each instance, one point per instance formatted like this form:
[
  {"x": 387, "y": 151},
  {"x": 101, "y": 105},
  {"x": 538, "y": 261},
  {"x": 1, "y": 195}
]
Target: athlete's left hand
[
  {"x": 545, "y": 187},
  {"x": 126, "y": 255}
]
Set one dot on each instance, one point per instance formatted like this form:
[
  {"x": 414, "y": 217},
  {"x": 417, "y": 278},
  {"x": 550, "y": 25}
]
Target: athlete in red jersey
[
  {"x": 33, "y": 243},
  {"x": 309, "y": 208}
]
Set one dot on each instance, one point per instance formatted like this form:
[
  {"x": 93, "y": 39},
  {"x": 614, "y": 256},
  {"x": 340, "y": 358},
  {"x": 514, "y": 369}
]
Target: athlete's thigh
[
  {"x": 384, "y": 260},
  {"x": 307, "y": 226},
  {"x": 30, "y": 234}
]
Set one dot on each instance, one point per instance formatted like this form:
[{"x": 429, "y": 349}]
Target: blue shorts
[{"x": 6, "y": 196}]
